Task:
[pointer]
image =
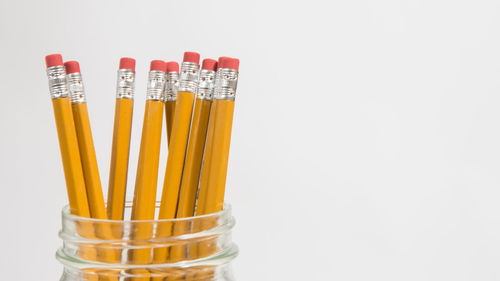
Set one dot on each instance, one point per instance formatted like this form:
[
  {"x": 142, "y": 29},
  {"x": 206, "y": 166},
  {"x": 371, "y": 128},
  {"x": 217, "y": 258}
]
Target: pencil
[
  {"x": 88, "y": 158},
  {"x": 178, "y": 143},
  {"x": 68, "y": 142},
  {"x": 143, "y": 207},
  {"x": 194, "y": 154},
  {"x": 197, "y": 137},
  {"x": 171, "y": 95},
  {"x": 121, "y": 139},
  {"x": 214, "y": 169},
  {"x": 85, "y": 142}
]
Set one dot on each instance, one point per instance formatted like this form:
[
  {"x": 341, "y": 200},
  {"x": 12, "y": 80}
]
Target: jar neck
[{"x": 94, "y": 245}]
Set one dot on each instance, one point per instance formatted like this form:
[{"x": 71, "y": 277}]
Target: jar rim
[{"x": 66, "y": 214}]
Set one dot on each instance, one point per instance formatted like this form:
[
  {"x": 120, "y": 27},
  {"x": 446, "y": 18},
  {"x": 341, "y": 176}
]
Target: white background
[{"x": 366, "y": 141}]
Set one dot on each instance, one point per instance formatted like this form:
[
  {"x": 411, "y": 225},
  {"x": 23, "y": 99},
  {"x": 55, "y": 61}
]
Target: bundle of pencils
[{"x": 199, "y": 106}]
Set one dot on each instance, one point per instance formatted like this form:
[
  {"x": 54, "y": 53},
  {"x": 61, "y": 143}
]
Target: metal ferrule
[
  {"x": 156, "y": 85},
  {"x": 125, "y": 85},
  {"x": 188, "y": 79},
  {"x": 57, "y": 82},
  {"x": 226, "y": 81},
  {"x": 206, "y": 85},
  {"x": 75, "y": 87},
  {"x": 171, "y": 86}
]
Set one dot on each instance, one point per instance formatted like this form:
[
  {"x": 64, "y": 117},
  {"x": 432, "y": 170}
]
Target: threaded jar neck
[{"x": 144, "y": 247}]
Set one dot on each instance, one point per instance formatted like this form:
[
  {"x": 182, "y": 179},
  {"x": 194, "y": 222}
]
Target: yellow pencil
[
  {"x": 171, "y": 95},
  {"x": 143, "y": 207},
  {"x": 214, "y": 170},
  {"x": 177, "y": 146},
  {"x": 89, "y": 161},
  {"x": 68, "y": 142},
  {"x": 194, "y": 154},
  {"x": 197, "y": 137},
  {"x": 120, "y": 149},
  {"x": 85, "y": 142}
]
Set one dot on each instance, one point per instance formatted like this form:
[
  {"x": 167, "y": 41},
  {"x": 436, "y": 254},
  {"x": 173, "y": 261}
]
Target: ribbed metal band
[
  {"x": 125, "y": 84},
  {"x": 156, "y": 85},
  {"x": 171, "y": 86},
  {"x": 57, "y": 82},
  {"x": 75, "y": 87},
  {"x": 206, "y": 85},
  {"x": 226, "y": 81},
  {"x": 188, "y": 79}
]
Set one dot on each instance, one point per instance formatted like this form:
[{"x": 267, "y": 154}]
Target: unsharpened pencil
[
  {"x": 178, "y": 144},
  {"x": 118, "y": 171}
]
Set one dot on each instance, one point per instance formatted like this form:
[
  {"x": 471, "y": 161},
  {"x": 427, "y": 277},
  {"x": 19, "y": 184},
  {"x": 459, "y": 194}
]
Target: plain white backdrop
[{"x": 366, "y": 140}]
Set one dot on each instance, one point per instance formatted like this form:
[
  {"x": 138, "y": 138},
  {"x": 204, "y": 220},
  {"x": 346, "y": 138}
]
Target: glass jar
[{"x": 194, "y": 248}]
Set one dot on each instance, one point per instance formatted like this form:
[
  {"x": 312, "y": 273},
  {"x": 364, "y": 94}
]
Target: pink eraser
[
  {"x": 127, "y": 63},
  {"x": 172, "y": 66},
  {"x": 191, "y": 57},
  {"x": 53, "y": 60},
  {"x": 158, "y": 65},
  {"x": 209, "y": 64},
  {"x": 227, "y": 62},
  {"x": 72, "y": 67}
]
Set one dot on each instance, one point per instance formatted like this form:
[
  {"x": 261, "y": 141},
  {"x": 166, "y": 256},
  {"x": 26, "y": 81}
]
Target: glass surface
[{"x": 194, "y": 248}]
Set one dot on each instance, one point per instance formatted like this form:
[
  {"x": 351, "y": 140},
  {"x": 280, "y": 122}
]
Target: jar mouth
[{"x": 66, "y": 214}]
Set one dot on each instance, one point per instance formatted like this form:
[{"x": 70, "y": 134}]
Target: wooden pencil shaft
[
  {"x": 68, "y": 144},
  {"x": 169, "y": 116},
  {"x": 176, "y": 154},
  {"x": 119, "y": 158},
  {"x": 143, "y": 207},
  {"x": 95, "y": 196},
  {"x": 175, "y": 164},
  {"x": 194, "y": 157},
  {"x": 73, "y": 172},
  {"x": 190, "y": 175},
  {"x": 203, "y": 183},
  {"x": 89, "y": 161},
  {"x": 220, "y": 155},
  {"x": 206, "y": 166},
  {"x": 214, "y": 170}
]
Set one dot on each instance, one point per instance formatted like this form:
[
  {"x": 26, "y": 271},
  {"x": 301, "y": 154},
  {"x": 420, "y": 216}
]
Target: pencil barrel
[
  {"x": 169, "y": 117},
  {"x": 68, "y": 144},
  {"x": 120, "y": 151}
]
